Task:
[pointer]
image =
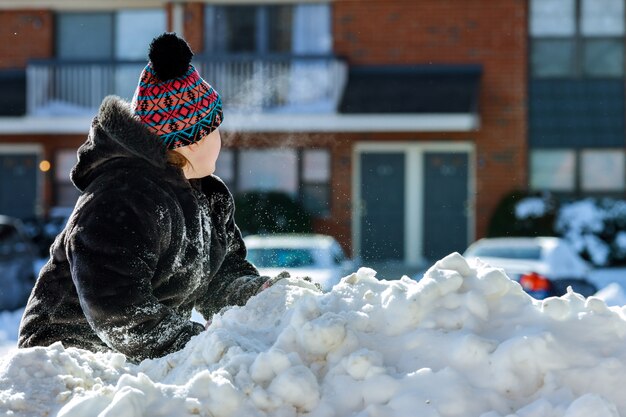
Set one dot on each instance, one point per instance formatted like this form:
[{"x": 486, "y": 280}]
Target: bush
[
  {"x": 596, "y": 228},
  {"x": 270, "y": 212},
  {"x": 521, "y": 213}
]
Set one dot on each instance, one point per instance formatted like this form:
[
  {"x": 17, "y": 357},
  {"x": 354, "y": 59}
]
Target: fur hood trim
[
  {"x": 116, "y": 133},
  {"x": 121, "y": 125}
]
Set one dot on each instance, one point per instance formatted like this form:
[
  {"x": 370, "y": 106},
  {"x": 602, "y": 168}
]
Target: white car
[
  {"x": 319, "y": 257},
  {"x": 544, "y": 266}
]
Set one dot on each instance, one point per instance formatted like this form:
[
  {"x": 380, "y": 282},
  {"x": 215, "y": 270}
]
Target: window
[
  {"x": 553, "y": 58},
  {"x": 268, "y": 29},
  {"x": 248, "y": 29},
  {"x": 553, "y": 18},
  {"x": 84, "y": 35},
  {"x": 585, "y": 171},
  {"x": 577, "y": 38},
  {"x": 135, "y": 29},
  {"x": 553, "y": 170},
  {"x": 225, "y": 167},
  {"x": 281, "y": 257},
  {"x": 66, "y": 193},
  {"x": 316, "y": 181},
  {"x": 510, "y": 252},
  {"x": 268, "y": 170},
  {"x": 303, "y": 174},
  {"x": 602, "y": 18},
  {"x": 602, "y": 170},
  {"x": 107, "y": 35},
  {"x": 603, "y": 57}
]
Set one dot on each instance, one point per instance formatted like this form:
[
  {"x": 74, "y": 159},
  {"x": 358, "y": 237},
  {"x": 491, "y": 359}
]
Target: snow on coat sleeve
[{"x": 113, "y": 253}]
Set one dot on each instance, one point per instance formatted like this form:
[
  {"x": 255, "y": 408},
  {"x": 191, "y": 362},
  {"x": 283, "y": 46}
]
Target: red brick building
[{"x": 400, "y": 124}]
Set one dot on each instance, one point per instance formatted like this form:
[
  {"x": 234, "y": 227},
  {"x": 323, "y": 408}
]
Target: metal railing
[{"x": 256, "y": 84}]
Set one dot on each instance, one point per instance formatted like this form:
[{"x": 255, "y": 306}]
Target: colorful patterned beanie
[{"x": 172, "y": 99}]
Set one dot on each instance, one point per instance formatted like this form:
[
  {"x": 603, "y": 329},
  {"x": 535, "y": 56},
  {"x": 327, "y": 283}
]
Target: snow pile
[{"x": 464, "y": 341}]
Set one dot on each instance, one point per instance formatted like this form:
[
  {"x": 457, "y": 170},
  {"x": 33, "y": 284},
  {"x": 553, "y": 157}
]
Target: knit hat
[{"x": 172, "y": 100}]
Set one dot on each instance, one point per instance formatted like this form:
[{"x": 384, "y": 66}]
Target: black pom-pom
[{"x": 170, "y": 56}]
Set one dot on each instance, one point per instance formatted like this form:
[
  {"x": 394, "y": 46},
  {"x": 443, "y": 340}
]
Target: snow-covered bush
[
  {"x": 582, "y": 223},
  {"x": 596, "y": 228},
  {"x": 532, "y": 207},
  {"x": 523, "y": 214}
]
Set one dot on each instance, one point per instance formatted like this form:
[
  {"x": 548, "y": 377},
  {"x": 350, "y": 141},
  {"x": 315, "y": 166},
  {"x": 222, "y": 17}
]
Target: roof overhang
[
  {"x": 294, "y": 123},
  {"x": 412, "y": 90}
]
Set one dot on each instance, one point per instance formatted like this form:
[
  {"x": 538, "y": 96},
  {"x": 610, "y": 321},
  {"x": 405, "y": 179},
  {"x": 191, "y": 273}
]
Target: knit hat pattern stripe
[
  {"x": 180, "y": 111},
  {"x": 156, "y": 88},
  {"x": 197, "y": 129}
]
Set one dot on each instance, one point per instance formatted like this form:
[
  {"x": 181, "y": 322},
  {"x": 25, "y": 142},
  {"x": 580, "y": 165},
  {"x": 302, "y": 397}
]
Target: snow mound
[{"x": 463, "y": 341}]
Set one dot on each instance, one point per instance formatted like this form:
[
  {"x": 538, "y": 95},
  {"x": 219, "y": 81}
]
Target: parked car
[
  {"x": 544, "y": 266},
  {"x": 17, "y": 259},
  {"x": 319, "y": 257}
]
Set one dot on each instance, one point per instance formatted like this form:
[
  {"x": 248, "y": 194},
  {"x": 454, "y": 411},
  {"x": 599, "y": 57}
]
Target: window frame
[
  {"x": 578, "y": 71},
  {"x": 584, "y": 183},
  {"x": 64, "y": 191},
  {"x": 113, "y": 15},
  {"x": 262, "y": 28},
  {"x": 578, "y": 189},
  {"x": 574, "y": 174}
]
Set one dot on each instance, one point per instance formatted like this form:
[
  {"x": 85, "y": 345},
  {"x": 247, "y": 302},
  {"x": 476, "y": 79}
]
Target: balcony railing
[{"x": 285, "y": 84}]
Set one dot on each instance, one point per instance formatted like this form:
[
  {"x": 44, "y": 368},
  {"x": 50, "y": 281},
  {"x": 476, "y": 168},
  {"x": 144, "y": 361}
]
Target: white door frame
[
  {"x": 414, "y": 191},
  {"x": 21, "y": 148}
]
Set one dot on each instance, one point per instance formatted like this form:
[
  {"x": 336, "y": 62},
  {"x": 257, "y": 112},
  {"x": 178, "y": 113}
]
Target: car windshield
[
  {"x": 281, "y": 257},
  {"x": 509, "y": 252}
]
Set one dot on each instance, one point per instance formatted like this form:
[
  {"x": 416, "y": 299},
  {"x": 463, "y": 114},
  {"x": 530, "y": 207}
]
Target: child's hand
[{"x": 273, "y": 280}]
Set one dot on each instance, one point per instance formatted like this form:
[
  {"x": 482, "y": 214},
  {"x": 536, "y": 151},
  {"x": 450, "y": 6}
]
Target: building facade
[
  {"x": 576, "y": 97},
  {"x": 398, "y": 124}
]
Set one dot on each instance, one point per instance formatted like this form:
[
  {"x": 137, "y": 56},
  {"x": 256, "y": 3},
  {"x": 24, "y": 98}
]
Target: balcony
[{"x": 247, "y": 84}]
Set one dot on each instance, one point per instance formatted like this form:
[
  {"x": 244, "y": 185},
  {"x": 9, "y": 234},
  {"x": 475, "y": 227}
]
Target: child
[{"x": 153, "y": 234}]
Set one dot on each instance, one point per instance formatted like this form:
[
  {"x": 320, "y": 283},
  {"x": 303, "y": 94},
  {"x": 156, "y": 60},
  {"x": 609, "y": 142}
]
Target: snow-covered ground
[{"x": 464, "y": 341}]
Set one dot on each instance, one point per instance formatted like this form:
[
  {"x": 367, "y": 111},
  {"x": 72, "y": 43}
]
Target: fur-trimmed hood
[{"x": 116, "y": 133}]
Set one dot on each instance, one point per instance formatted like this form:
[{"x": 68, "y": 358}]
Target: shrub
[
  {"x": 596, "y": 228},
  {"x": 270, "y": 212},
  {"x": 521, "y": 213}
]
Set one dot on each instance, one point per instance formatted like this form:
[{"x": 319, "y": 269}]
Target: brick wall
[
  {"x": 486, "y": 32},
  {"x": 24, "y": 35},
  {"x": 194, "y": 26}
]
